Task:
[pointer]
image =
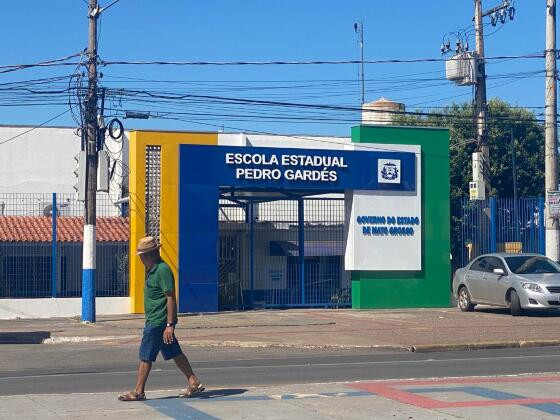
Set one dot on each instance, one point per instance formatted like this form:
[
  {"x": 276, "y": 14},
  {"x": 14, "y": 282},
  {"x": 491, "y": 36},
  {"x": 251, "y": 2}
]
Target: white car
[{"x": 517, "y": 281}]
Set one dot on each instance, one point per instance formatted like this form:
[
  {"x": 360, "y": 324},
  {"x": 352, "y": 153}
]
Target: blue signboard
[
  {"x": 275, "y": 168},
  {"x": 204, "y": 169}
]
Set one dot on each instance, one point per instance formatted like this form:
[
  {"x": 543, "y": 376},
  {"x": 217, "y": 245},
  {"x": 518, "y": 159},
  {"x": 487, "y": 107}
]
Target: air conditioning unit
[
  {"x": 46, "y": 209},
  {"x": 462, "y": 69}
]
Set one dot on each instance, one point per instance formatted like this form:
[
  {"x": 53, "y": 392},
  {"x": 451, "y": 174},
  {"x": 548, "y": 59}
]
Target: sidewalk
[
  {"x": 406, "y": 329},
  {"x": 510, "y": 397}
]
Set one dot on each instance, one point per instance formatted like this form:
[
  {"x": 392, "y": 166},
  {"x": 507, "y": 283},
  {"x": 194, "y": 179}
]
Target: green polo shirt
[{"x": 159, "y": 281}]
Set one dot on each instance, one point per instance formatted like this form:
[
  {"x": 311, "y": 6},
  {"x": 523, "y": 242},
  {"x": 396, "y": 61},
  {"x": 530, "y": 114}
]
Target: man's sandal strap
[
  {"x": 132, "y": 396},
  {"x": 192, "y": 390}
]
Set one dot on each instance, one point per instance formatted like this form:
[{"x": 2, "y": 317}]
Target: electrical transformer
[{"x": 462, "y": 69}]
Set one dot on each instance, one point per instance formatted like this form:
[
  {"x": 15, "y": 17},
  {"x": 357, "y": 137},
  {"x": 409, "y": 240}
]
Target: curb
[
  {"x": 421, "y": 348},
  {"x": 86, "y": 339},
  {"x": 34, "y": 338},
  {"x": 249, "y": 344},
  {"x": 228, "y": 343},
  {"x": 426, "y": 348}
]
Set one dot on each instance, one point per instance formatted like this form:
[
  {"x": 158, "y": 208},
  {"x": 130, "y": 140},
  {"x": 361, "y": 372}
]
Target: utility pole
[
  {"x": 468, "y": 68},
  {"x": 91, "y": 129},
  {"x": 480, "y": 96},
  {"x": 551, "y": 142},
  {"x": 359, "y": 29}
]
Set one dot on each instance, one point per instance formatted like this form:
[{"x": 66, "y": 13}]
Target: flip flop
[
  {"x": 132, "y": 396},
  {"x": 192, "y": 390}
]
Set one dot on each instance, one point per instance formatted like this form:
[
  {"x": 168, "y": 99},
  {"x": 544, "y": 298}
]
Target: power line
[
  {"x": 34, "y": 128},
  {"x": 49, "y": 63},
  {"x": 311, "y": 62},
  {"x": 64, "y": 62},
  {"x": 243, "y": 101}
]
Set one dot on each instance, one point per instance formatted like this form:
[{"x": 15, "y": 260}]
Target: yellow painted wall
[{"x": 169, "y": 211}]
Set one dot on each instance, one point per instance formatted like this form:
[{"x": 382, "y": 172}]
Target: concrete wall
[
  {"x": 295, "y": 141},
  {"x": 60, "y": 308},
  {"x": 42, "y": 161}
]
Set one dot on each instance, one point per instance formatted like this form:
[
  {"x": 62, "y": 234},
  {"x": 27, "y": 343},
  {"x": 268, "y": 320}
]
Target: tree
[{"x": 502, "y": 118}]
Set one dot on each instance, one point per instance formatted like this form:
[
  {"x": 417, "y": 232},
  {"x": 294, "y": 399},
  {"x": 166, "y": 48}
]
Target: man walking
[{"x": 160, "y": 307}]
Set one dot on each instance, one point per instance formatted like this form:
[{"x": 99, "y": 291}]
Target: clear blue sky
[{"x": 225, "y": 30}]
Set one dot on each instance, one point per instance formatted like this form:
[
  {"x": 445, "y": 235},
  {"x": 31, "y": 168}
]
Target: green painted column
[{"x": 429, "y": 287}]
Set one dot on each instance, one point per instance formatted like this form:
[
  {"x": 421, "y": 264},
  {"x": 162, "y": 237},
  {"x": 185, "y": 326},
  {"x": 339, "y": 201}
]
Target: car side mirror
[{"x": 499, "y": 271}]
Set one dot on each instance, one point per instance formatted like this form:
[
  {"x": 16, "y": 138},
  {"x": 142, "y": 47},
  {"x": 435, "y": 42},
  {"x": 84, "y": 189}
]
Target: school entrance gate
[
  {"x": 268, "y": 221},
  {"x": 258, "y": 254}
]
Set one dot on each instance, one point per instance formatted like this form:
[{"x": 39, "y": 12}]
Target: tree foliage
[{"x": 503, "y": 120}]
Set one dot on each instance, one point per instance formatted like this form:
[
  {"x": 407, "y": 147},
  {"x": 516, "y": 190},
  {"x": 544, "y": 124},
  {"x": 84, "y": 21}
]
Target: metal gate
[
  {"x": 229, "y": 286},
  {"x": 259, "y": 254},
  {"x": 501, "y": 225}
]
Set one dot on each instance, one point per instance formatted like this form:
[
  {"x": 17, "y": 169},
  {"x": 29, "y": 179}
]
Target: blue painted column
[
  {"x": 517, "y": 219},
  {"x": 301, "y": 246},
  {"x": 542, "y": 229},
  {"x": 251, "y": 208},
  {"x": 54, "y": 257},
  {"x": 493, "y": 223},
  {"x": 88, "y": 275},
  {"x": 198, "y": 249}
]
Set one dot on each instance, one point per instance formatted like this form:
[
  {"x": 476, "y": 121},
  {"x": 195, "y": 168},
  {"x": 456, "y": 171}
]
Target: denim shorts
[{"x": 152, "y": 344}]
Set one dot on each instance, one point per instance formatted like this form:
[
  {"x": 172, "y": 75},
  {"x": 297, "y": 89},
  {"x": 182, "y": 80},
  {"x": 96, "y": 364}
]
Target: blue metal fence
[
  {"x": 34, "y": 262},
  {"x": 501, "y": 225},
  {"x": 280, "y": 253},
  {"x": 283, "y": 253}
]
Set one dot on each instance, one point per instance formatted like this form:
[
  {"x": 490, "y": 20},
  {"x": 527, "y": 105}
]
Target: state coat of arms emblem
[{"x": 389, "y": 171}]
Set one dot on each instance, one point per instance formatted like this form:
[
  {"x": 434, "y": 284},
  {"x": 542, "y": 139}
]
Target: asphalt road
[{"x": 42, "y": 369}]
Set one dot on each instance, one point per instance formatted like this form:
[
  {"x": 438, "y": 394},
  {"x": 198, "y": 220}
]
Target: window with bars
[{"x": 153, "y": 190}]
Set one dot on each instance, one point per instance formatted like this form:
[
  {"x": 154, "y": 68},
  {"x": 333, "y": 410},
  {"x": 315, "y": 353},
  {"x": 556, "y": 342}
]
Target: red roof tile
[{"x": 69, "y": 229}]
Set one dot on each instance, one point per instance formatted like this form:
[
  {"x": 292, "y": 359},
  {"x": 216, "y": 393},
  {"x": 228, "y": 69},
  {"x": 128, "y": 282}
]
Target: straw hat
[{"x": 147, "y": 244}]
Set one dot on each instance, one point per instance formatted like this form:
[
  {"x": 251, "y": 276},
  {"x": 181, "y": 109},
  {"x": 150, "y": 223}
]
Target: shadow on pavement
[
  {"x": 550, "y": 313},
  {"x": 217, "y": 393},
  {"x": 25, "y": 337},
  {"x": 211, "y": 394}
]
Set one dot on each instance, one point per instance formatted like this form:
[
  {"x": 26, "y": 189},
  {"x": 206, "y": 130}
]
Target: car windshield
[{"x": 531, "y": 265}]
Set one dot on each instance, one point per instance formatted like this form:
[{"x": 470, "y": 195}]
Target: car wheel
[
  {"x": 515, "y": 304},
  {"x": 464, "y": 300}
]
